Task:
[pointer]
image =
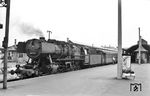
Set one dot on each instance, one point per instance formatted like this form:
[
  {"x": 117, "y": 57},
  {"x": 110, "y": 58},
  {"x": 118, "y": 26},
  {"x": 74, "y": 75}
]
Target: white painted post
[{"x": 119, "y": 65}]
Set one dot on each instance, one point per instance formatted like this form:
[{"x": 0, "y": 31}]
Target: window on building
[
  {"x": 9, "y": 56},
  {"x": 20, "y": 55}
]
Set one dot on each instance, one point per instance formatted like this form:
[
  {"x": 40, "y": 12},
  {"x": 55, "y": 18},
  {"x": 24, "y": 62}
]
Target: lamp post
[
  {"x": 139, "y": 61},
  {"x": 119, "y": 65}
]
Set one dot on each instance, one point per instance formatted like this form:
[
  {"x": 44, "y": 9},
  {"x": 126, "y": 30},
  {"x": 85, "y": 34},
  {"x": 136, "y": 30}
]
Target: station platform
[{"x": 97, "y": 81}]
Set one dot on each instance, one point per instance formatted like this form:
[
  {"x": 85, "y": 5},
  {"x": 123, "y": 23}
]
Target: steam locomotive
[{"x": 53, "y": 56}]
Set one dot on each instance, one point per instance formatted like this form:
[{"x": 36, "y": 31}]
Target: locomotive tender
[{"x": 51, "y": 56}]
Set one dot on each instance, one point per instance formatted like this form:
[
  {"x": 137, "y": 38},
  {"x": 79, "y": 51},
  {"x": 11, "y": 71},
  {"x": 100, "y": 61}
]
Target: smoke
[
  {"x": 26, "y": 28},
  {"x": 30, "y": 30}
]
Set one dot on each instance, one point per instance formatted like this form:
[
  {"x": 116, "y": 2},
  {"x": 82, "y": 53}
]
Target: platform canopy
[
  {"x": 142, "y": 49},
  {"x": 135, "y": 48}
]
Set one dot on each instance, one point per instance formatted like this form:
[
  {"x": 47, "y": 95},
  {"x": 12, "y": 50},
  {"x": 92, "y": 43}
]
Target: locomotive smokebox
[{"x": 35, "y": 47}]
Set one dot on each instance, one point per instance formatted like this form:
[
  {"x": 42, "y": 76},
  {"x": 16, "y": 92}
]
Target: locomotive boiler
[{"x": 57, "y": 49}]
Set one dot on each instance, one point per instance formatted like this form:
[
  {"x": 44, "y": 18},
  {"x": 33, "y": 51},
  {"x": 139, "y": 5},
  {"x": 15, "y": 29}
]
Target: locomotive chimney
[{"x": 42, "y": 38}]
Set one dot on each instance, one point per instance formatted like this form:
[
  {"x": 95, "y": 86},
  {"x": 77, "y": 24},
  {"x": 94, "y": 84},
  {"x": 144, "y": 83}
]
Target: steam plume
[
  {"x": 26, "y": 28},
  {"x": 30, "y": 30}
]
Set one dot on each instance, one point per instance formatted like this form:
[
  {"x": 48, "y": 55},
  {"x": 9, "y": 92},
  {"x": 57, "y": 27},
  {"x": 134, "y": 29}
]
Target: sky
[{"x": 82, "y": 21}]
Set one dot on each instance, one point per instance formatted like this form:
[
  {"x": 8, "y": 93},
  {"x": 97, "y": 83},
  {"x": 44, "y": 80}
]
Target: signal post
[{"x": 5, "y": 3}]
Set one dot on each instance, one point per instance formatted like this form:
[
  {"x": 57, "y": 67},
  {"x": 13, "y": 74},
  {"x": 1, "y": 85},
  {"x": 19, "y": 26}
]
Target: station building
[
  {"x": 133, "y": 51},
  {"x": 13, "y": 55}
]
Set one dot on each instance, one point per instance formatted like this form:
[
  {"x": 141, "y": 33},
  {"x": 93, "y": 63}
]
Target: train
[{"x": 55, "y": 56}]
